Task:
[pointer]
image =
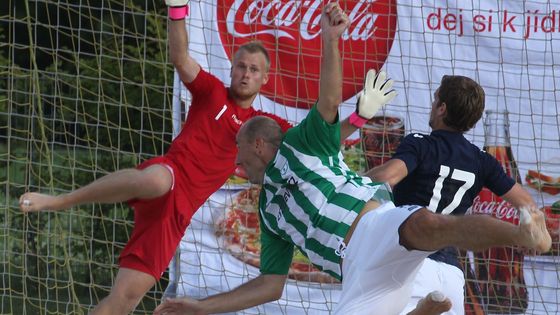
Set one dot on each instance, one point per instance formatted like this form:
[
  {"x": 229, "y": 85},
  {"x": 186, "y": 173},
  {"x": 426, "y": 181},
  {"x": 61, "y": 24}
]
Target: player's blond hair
[{"x": 254, "y": 47}]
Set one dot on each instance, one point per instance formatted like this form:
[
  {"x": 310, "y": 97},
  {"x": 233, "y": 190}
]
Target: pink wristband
[
  {"x": 356, "y": 120},
  {"x": 178, "y": 13}
]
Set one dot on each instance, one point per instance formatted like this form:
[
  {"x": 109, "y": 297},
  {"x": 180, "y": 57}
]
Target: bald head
[
  {"x": 258, "y": 141},
  {"x": 261, "y": 127}
]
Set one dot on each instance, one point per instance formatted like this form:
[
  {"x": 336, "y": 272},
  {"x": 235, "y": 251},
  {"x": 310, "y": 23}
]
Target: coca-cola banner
[{"x": 512, "y": 48}]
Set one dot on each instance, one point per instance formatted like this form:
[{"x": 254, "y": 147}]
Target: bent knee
[
  {"x": 155, "y": 181},
  {"x": 423, "y": 230}
]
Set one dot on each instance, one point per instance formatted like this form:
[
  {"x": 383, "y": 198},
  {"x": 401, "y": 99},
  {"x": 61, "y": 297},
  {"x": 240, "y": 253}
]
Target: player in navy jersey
[{"x": 444, "y": 172}]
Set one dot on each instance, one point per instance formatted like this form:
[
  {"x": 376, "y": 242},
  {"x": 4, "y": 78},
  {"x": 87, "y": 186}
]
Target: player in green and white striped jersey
[{"x": 310, "y": 199}]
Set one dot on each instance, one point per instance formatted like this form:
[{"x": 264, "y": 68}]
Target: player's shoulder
[
  {"x": 485, "y": 157},
  {"x": 479, "y": 157},
  {"x": 475, "y": 148},
  {"x": 206, "y": 75},
  {"x": 417, "y": 137},
  {"x": 209, "y": 78}
]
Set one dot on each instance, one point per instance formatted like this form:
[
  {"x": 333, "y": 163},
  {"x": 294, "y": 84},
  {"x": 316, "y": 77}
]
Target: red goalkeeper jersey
[
  {"x": 201, "y": 159},
  {"x": 205, "y": 150}
]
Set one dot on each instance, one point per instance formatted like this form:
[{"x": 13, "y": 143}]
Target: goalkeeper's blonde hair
[{"x": 254, "y": 47}]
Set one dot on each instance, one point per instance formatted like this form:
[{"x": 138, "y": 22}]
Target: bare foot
[
  {"x": 434, "y": 303},
  {"x": 533, "y": 230},
  {"x": 32, "y": 202}
]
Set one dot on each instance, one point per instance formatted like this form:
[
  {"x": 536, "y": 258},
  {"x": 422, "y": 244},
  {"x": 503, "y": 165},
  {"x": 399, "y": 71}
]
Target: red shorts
[{"x": 159, "y": 225}]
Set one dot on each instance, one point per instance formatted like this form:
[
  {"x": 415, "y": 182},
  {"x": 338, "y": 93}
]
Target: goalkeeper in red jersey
[{"x": 166, "y": 191}]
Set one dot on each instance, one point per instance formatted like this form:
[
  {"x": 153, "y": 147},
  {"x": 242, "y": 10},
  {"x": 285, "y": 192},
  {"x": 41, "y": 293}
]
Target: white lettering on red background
[
  {"x": 272, "y": 15},
  {"x": 500, "y": 209},
  {"x": 290, "y": 31}
]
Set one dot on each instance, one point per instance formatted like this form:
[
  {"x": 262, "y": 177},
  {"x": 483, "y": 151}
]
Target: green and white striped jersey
[{"x": 310, "y": 198}]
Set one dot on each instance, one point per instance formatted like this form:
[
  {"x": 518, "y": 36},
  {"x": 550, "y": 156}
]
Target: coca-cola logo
[
  {"x": 488, "y": 203},
  {"x": 290, "y": 30}
]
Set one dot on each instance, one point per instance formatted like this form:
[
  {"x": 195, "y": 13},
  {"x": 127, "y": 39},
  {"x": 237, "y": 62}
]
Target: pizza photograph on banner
[
  {"x": 238, "y": 232},
  {"x": 290, "y": 31}
]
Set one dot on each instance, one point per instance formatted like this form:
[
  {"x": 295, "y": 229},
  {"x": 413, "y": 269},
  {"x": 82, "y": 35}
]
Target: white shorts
[
  {"x": 446, "y": 278},
  {"x": 377, "y": 271}
]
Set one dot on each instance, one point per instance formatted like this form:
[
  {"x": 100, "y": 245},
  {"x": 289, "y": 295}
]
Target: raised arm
[
  {"x": 262, "y": 289},
  {"x": 376, "y": 93},
  {"x": 333, "y": 23},
  {"x": 346, "y": 129},
  {"x": 186, "y": 66}
]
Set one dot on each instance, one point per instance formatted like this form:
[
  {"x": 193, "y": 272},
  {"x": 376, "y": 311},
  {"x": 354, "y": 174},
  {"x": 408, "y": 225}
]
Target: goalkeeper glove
[
  {"x": 178, "y": 9},
  {"x": 376, "y": 93}
]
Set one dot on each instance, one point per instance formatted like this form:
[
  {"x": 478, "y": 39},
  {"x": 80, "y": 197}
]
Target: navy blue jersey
[{"x": 445, "y": 173}]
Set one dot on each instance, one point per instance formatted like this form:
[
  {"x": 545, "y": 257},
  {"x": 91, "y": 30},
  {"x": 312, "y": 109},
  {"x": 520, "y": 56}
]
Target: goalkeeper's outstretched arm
[{"x": 186, "y": 66}]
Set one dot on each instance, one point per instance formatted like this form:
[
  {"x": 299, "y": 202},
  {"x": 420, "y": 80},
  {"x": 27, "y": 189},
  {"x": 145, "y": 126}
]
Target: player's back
[{"x": 446, "y": 172}]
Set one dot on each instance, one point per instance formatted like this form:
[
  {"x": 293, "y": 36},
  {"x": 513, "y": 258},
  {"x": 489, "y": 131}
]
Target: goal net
[{"x": 88, "y": 89}]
